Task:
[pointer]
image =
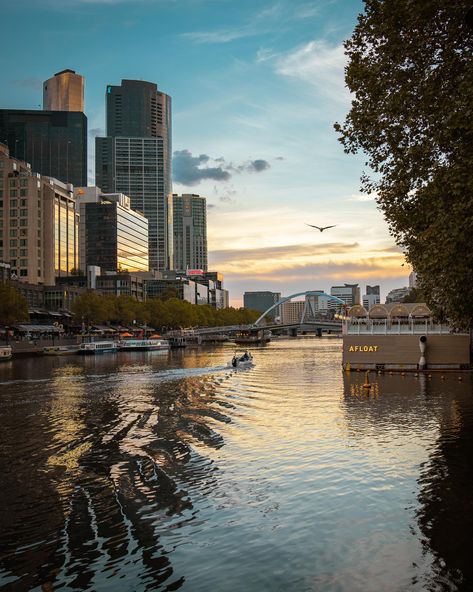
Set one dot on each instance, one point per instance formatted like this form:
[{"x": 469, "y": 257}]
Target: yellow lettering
[
  {"x": 356, "y": 348},
  {"x": 375, "y": 347},
  {"x": 351, "y": 348}
]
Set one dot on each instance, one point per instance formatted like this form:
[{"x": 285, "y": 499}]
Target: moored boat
[
  {"x": 5, "y": 353},
  {"x": 60, "y": 350},
  {"x": 97, "y": 347},
  {"x": 143, "y": 344}
]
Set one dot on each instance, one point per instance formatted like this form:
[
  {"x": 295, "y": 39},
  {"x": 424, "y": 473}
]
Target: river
[{"x": 170, "y": 471}]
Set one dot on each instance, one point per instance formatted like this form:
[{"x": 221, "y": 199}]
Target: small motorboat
[
  {"x": 5, "y": 353},
  {"x": 242, "y": 361}
]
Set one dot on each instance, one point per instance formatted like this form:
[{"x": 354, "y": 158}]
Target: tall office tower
[
  {"x": 135, "y": 158},
  {"x": 261, "y": 301},
  {"x": 38, "y": 223},
  {"x": 54, "y": 142},
  {"x": 112, "y": 235},
  {"x": 371, "y": 297},
  {"x": 190, "y": 232},
  {"x": 349, "y": 293},
  {"x": 64, "y": 92}
]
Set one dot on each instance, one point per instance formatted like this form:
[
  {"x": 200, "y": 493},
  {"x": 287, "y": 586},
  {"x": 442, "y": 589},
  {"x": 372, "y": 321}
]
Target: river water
[{"x": 167, "y": 471}]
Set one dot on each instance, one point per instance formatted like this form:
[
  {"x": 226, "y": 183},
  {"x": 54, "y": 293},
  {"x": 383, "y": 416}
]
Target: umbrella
[
  {"x": 126, "y": 334},
  {"x": 156, "y": 336}
]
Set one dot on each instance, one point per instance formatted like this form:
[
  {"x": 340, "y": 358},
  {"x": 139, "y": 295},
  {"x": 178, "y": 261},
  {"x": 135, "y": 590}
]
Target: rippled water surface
[{"x": 152, "y": 471}]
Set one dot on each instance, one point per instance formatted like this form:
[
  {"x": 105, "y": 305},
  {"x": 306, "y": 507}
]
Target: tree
[
  {"x": 13, "y": 306},
  {"x": 92, "y": 308},
  {"x": 410, "y": 71}
]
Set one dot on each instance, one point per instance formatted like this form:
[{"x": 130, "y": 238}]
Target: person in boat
[
  {"x": 234, "y": 361},
  {"x": 245, "y": 357}
]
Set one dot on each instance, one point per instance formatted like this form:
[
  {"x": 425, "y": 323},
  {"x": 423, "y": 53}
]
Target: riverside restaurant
[{"x": 402, "y": 336}]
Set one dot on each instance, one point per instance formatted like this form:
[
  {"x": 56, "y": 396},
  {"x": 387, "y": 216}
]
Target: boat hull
[{"x": 6, "y": 353}]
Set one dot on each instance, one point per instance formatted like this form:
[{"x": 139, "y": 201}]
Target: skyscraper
[
  {"x": 190, "y": 232},
  {"x": 135, "y": 158},
  {"x": 371, "y": 297},
  {"x": 54, "y": 142},
  {"x": 64, "y": 92}
]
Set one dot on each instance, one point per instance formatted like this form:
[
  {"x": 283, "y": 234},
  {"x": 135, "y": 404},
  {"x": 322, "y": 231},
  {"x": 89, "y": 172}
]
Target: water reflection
[{"x": 100, "y": 464}]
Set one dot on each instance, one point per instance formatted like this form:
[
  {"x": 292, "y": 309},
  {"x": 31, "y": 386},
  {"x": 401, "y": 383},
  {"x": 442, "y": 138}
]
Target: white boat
[
  {"x": 60, "y": 350},
  {"x": 242, "y": 361},
  {"x": 5, "y": 353},
  {"x": 97, "y": 347},
  {"x": 143, "y": 344}
]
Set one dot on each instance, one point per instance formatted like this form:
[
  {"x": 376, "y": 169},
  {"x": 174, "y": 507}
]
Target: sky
[{"x": 256, "y": 87}]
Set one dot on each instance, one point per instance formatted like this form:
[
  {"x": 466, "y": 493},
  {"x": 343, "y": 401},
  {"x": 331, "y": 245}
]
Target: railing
[{"x": 389, "y": 327}]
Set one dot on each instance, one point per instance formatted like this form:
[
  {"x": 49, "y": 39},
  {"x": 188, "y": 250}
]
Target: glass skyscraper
[
  {"x": 135, "y": 158},
  {"x": 54, "y": 142}
]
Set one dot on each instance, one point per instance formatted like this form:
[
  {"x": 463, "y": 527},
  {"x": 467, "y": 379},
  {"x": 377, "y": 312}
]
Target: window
[
  {"x": 13, "y": 222},
  {"x": 23, "y": 182},
  {"x": 23, "y": 262},
  {"x": 23, "y": 192},
  {"x": 12, "y": 252},
  {"x": 23, "y": 222},
  {"x": 24, "y": 212},
  {"x": 13, "y": 243},
  {"x": 12, "y": 182},
  {"x": 23, "y": 203},
  {"x": 13, "y": 193},
  {"x": 13, "y": 203},
  {"x": 13, "y": 213},
  {"x": 23, "y": 252},
  {"x": 13, "y": 232},
  {"x": 23, "y": 232},
  {"x": 23, "y": 242},
  {"x": 23, "y": 272}
]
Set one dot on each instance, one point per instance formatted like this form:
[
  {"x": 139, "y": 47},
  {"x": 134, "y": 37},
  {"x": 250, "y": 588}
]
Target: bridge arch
[{"x": 286, "y": 298}]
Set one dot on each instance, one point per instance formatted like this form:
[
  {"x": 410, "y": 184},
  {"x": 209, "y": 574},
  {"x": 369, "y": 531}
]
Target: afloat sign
[{"x": 363, "y": 348}]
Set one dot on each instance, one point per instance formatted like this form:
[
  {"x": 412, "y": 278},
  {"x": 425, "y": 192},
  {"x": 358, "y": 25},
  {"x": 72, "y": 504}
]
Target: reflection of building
[
  {"x": 261, "y": 301},
  {"x": 135, "y": 158},
  {"x": 38, "y": 222},
  {"x": 190, "y": 232},
  {"x": 371, "y": 297},
  {"x": 54, "y": 142},
  {"x": 349, "y": 293},
  {"x": 113, "y": 236},
  {"x": 396, "y": 295},
  {"x": 64, "y": 92}
]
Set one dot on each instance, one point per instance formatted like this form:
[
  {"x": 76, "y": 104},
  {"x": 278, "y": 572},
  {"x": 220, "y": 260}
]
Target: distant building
[
  {"x": 190, "y": 232},
  {"x": 38, "y": 223},
  {"x": 54, "y": 142},
  {"x": 349, "y": 293},
  {"x": 412, "y": 280},
  {"x": 64, "y": 92},
  {"x": 5, "y": 271},
  {"x": 292, "y": 312},
  {"x": 184, "y": 288},
  {"x": 396, "y": 295},
  {"x": 261, "y": 301},
  {"x": 135, "y": 159},
  {"x": 113, "y": 236},
  {"x": 371, "y": 297}
]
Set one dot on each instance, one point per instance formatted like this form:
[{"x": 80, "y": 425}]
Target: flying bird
[{"x": 321, "y": 228}]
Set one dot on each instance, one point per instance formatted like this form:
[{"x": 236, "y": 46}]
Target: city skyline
[{"x": 255, "y": 94}]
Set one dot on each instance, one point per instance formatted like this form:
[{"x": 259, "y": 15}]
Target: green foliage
[
  {"x": 414, "y": 295},
  {"x": 13, "y": 306},
  {"x": 411, "y": 74},
  {"x": 95, "y": 308}
]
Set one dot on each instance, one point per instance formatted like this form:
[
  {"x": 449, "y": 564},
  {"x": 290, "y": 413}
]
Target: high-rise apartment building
[
  {"x": 349, "y": 293},
  {"x": 64, "y": 92},
  {"x": 190, "y": 232},
  {"x": 135, "y": 158},
  {"x": 261, "y": 301},
  {"x": 371, "y": 297},
  {"x": 38, "y": 223},
  {"x": 112, "y": 235},
  {"x": 397, "y": 295},
  {"x": 54, "y": 142}
]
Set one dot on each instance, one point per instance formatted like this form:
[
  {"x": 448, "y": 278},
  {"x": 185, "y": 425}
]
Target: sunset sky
[{"x": 256, "y": 87}]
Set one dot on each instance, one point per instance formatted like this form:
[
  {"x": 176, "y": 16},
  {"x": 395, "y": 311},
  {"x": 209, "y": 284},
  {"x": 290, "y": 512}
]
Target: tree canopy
[
  {"x": 13, "y": 306},
  {"x": 410, "y": 71}
]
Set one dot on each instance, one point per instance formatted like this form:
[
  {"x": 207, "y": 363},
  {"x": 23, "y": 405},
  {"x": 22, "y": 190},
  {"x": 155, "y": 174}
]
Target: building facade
[
  {"x": 135, "y": 158},
  {"x": 64, "y": 92},
  {"x": 38, "y": 223},
  {"x": 112, "y": 235},
  {"x": 396, "y": 295},
  {"x": 292, "y": 312},
  {"x": 54, "y": 142},
  {"x": 261, "y": 301},
  {"x": 349, "y": 293},
  {"x": 371, "y": 297},
  {"x": 190, "y": 232}
]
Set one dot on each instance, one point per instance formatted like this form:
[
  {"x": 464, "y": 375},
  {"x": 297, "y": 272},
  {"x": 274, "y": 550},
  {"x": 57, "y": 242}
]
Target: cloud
[
  {"x": 191, "y": 170},
  {"x": 96, "y": 131},
  {"x": 257, "y": 166},
  {"x": 320, "y": 65},
  {"x": 188, "y": 169}
]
